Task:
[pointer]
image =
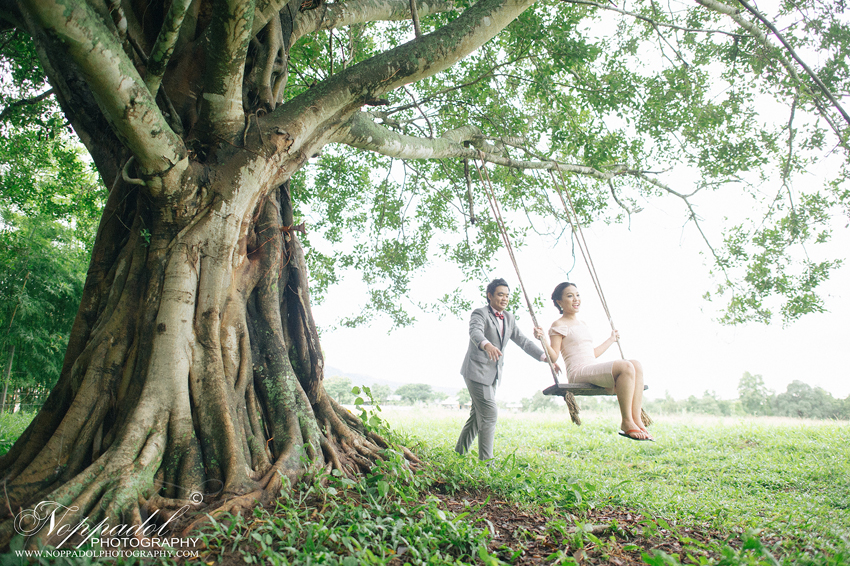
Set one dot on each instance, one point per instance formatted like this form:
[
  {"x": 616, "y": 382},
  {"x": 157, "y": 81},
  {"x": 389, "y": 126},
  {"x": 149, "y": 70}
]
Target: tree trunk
[
  {"x": 193, "y": 375},
  {"x": 6, "y": 378}
]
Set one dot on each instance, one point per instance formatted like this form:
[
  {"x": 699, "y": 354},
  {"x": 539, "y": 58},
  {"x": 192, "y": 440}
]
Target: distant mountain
[{"x": 368, "y": 380}]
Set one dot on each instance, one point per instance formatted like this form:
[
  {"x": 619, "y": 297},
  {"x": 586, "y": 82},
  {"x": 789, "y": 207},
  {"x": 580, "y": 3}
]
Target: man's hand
[{"x": 492, "y": 352}]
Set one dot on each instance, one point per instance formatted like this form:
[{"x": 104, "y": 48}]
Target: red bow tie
[{"x": 499, "y": 315}]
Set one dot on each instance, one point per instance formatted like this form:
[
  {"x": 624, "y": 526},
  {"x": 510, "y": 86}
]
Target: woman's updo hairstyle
[{"x": 558, "y": 292}]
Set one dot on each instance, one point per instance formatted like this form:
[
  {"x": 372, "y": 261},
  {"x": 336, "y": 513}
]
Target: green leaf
[{"x": 383, "y": 488}]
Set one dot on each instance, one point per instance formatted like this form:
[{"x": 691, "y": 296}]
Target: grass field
[
  {"x": 12, "y": 425},
  {"x": 786, "y": 480},
  {"x": 719, "y": 491}
]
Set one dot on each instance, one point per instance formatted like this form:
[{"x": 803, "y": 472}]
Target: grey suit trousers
[{"x": 481, "y": 422}]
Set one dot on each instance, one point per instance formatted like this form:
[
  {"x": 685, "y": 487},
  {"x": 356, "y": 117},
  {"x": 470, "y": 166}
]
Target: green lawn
[
  {"x": 12, "y": 425},
  {"x": 788, "y": 478},
  {"x": 713, "y": 491}
]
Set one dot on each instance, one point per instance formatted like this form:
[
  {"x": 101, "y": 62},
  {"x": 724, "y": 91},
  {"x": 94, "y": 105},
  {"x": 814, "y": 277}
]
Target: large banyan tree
[{"x": 218, "y": 126}]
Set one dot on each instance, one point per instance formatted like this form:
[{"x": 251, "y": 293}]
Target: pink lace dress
[{"x": 581, "y": 364}]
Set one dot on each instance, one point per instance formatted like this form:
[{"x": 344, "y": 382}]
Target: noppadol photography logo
[{"x": 57, "y": 522}]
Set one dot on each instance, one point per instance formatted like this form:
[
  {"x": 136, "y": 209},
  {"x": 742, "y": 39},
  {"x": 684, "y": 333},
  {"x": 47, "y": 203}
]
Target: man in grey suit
[{"x": 490, "y": 329}]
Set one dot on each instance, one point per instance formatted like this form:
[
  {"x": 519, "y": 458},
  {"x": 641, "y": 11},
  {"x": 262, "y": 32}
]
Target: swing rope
[
  {"x": 572, "y": 217},
  {"x": 497, "y": 214}
]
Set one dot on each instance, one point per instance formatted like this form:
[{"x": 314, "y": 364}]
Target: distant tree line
[
  {"x": 339, "y": 387},
  {"x": 799, "y": 400},
  {"x": 754, "y": 398}
]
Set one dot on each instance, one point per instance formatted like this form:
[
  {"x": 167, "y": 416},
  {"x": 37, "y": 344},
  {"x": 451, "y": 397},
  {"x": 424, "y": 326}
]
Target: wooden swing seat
[
  {"x": 569, "y": 390},
  {"x": 559, "y": 389}
]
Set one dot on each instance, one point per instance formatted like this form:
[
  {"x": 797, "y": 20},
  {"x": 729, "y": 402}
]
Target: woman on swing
[{"x": 571, "y": 337}]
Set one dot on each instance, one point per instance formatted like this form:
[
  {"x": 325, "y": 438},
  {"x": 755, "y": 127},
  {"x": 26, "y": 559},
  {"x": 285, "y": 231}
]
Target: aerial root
[
  {"x": 267, "y": 489},
  {"x": 415, "y": 462},
  {"x": 135, "y": 515},
  {"x": 247, "y": 502},
  {"x": 347, "y": 429},
  {"x": 371, "y": 444},
  {"x": 337, "y": 411},
  {"x": 379, "y": 441},
  {"x": 363, "y": 463},
  {"x": 98, "y": 496},
  {"x": 331, "y": 456}
]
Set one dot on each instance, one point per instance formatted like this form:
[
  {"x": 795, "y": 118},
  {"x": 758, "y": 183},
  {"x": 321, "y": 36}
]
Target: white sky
[{"x": 653, "y": 278}]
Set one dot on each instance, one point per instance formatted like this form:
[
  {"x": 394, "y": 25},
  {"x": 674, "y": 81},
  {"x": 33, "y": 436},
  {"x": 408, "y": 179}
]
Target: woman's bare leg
[
  {"x": 637, "y": 398},
  {"x": 625, "y": 387}
]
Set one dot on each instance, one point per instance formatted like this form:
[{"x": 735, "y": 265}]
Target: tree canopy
[{"x": 631, "y": 105}]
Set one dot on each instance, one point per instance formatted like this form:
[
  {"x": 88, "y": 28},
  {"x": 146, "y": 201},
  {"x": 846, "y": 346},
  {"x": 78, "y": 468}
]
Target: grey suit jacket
[{"x": 477, "y": 366}]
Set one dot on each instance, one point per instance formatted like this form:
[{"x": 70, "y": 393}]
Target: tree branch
[
  {"x": 753, "y": 30},
  {"x": 797, "y": 58},
  {"x": 662, "y": 37},
  {"x": 361, "y": 132},
  {"x": 485, "y": 75},
  {"x": 265, "y": 10},
  {"x": 414, "y": 14},
  {"x": 222, "y": 114},
  {"x": 308, "y": 117},
  {"x": 653, "y": 23},
  {"x": 268, "y": 73},
  {"x": 421, "y": 112},
  {"x": 121, "y": 93},
  {"x": 691, "y": 216},
  {"x": 617, "y": 200},
  {"x": 23, "y": 102},
  {"x": 340, "y": 14},
  {"x": 10, "y": 16},
  {"x": 164, "y": 46}
]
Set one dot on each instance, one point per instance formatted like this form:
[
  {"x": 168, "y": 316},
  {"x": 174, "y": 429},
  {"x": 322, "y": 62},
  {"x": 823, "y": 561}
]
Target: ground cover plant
[
  {"x": 709, "y": 491},
  {"x": 778, "y": 482}
]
